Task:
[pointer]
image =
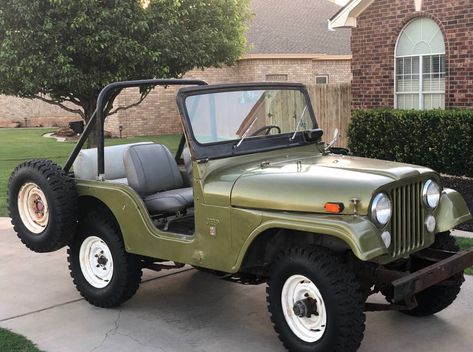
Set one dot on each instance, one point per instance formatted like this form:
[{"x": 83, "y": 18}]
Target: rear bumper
[{"x": 445, "y": 265}]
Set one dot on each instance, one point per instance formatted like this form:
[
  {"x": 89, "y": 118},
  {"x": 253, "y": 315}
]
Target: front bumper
[{"x": 446, "y": 266}]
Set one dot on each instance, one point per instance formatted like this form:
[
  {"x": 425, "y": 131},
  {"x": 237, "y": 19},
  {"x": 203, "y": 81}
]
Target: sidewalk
[
  {"x": 183, "y": 311},
  {"x": 460, "y": 233}
]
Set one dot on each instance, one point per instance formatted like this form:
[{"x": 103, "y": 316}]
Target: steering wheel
[{"x": 266, "y": 129}]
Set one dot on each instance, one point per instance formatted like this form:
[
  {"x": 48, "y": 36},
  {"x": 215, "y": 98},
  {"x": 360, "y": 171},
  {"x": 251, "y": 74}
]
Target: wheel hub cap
[
  {"x": 102, "y": 260},
  {"x": 304, "y": 308},
  {"x": 96, "y": 262},
  {"x": 33, "y": 208}
]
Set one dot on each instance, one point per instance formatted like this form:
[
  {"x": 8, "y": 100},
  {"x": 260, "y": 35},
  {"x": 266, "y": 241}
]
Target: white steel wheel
[
  {"x": 33, "y": 208},
  {"x": 304, "y": 308},
  {"x": 96, "y": 262}
]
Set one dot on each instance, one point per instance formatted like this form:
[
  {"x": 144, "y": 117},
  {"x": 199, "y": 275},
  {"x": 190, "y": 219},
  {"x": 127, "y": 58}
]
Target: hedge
[{"x": 439, "y": 139}]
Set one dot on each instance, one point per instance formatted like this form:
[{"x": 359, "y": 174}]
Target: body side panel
[{"x": 142, "y": 237}]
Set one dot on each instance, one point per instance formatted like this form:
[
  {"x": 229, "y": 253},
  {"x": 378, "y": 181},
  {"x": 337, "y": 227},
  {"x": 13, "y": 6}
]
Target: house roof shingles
[{"x": 296, "y": 27}]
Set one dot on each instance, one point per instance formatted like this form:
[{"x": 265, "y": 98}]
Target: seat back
[
  {"x": 150, "y": 168},
  {"x": 85, "y": 165}
]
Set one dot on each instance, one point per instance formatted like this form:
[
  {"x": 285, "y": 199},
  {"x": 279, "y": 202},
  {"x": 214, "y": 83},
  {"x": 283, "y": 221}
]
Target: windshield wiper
[
  {"x": 298, "y": 123},
  {"x": 246, "y": 132},
  {"x": 256, "y": 118}
]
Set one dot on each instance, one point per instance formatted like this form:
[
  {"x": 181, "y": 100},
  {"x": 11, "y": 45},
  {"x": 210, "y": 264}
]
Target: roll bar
[{"x": 99, "y": 115}]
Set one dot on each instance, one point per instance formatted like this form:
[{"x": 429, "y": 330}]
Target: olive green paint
[
  {"x": 238, "y": 198},
  {"x": 452, "y": 211}
]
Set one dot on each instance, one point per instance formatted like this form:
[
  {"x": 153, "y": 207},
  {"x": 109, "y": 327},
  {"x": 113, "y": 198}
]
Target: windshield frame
[{"x": 221, "y": 149}]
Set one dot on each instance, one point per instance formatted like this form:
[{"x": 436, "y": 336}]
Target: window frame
[
  {"x": 421, "y": 57},
  {"x": 224, "y": 149},
  {"x": 326, "y": 76}
]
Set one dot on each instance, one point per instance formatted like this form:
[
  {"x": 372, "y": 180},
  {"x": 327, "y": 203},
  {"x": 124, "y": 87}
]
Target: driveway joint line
[
  {"x": 82, "y": 299},
  {"x": 41, "y": 310}
]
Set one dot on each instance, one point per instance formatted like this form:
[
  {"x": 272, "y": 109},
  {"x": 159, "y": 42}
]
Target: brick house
[
  {"x": 289, "y": 41},
  {"x": 410, "y": 54}
]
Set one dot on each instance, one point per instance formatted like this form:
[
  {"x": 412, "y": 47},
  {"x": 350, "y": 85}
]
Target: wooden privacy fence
[
  {"x": 331, "y": 102},
  {"x": 332, "y": 106}
]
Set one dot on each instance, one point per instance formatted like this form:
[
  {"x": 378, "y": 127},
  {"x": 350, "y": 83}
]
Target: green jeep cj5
[{"x": 254, "y": 196}]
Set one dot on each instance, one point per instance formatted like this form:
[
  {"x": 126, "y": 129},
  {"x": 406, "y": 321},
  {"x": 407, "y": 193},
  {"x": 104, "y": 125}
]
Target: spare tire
[{"x": 43, "y": 205}]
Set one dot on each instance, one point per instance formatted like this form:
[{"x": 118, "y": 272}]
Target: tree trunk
[{"x": 89, "y": 110}]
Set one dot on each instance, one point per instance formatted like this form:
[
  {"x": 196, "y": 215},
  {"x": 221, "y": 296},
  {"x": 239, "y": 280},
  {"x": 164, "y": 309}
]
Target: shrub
[{"x": 439, "y": 139}]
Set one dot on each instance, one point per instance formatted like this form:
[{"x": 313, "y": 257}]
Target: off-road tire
[
  {"x": 437, "y": 298},
  {"x": 127, "y": 268},
  {"x": 339, "y": 289},
  {"x": 62, "y": 203}
]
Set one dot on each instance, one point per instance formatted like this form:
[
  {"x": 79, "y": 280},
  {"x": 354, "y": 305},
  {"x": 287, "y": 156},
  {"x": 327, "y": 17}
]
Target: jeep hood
[{"x": 305, "y": 184}]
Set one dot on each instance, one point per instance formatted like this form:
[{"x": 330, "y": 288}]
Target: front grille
[{"x": 407, "y": 224}]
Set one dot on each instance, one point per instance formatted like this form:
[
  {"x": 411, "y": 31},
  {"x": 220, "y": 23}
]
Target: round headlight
[
  {"x": 431, "y": 194},
  {"x": 381, "y": 209}
]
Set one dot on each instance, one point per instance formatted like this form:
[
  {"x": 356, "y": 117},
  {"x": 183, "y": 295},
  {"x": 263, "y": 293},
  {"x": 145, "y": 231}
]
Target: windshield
[{"x": 237, "y": 115}]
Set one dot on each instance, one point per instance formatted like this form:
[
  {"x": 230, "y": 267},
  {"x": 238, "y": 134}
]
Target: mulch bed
[
  {"x": 65, "y": 132},
  {"x": 70, "y": 135},
  {"x": 464, "y": 185}
]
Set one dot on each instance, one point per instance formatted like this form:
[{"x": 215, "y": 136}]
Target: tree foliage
[{"x": 65, "y": 51}]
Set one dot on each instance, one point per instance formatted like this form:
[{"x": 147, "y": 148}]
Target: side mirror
[{"x": 336, "y": 136}]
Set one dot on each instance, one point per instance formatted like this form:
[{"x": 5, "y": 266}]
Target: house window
[
  {"x": 276, "y": 78},
  {"x": 321, "y": 79},
  {"x": 420, "y": 66}
]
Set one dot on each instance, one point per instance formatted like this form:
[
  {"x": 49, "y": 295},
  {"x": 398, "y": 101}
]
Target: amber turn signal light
[{"x": 335, "y": 208}]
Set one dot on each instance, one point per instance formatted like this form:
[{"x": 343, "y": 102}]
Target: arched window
[{"x": 420, "y": 66}]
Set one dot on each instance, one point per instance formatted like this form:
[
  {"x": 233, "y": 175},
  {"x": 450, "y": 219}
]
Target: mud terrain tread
[
  {"x": 345, "y": 287},
  {"x": 437, "y": 298},
  {"x": 128, "y": 264},
  {"x": 63, "y": 224}
]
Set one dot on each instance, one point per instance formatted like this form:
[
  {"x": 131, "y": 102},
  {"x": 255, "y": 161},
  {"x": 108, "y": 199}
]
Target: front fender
[
  {"x": 452, "y": 210},
  {"x": 358, "y": 232}
]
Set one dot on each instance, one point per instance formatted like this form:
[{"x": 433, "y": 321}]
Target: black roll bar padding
[
  {"x": 180, "y": 148},
  {"x": 80, "y": 143},
  {"x": 99, "y": 115}
]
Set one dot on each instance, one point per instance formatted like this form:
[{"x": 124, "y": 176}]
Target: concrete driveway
[{"x": 183, "y": 311}]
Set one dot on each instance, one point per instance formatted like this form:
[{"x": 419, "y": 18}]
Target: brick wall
[
  {"x": 374, "y": 41},
  {"x": 146, "y": 119},
  {"x": 14, "y": 111},
  {"x": 338, "y": 71}
]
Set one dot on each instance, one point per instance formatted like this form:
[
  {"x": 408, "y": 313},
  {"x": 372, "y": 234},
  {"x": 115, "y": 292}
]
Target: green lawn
[
  {"x": 466, "y": 243},
  {"x": 20, "y": 144},
  {"x": 12, "y": 342}
]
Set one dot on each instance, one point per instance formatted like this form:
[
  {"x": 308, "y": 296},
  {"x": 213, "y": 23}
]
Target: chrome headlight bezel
[
  {"x": 381, "y": 209},
  {"x": 431, "y": 200}
]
